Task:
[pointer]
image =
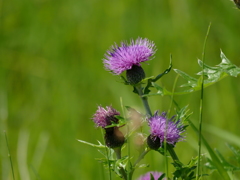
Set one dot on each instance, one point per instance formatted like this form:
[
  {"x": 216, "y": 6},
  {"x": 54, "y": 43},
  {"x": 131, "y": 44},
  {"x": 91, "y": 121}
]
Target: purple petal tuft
[{"x": 122, "y": 58}]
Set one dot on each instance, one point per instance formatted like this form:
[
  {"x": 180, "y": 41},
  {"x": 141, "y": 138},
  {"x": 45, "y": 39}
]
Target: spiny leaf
[
  {"x": 231, "y": 69},
  {"x": 191, "y": 81},
  {"x": 235, "y": 152},
  {"x": 211, "y": 74},
  {"x": 226, "y": 165}
]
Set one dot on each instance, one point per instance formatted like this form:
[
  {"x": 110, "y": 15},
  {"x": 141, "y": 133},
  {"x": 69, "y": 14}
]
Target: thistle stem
[
  {"x": 141, "y": 156},
  {"x": 122, "y": 171},
  {"x": 144, "y": 100},
  {"x": 172, "y": 153}
]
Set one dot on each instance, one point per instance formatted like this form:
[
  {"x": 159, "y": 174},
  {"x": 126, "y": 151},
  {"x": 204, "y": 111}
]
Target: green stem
[
  {"x": 172, "y": 153},
  {"x": 142, "y": 155},
  {"x": 9, "y": 155},
  {"x": 122, "y": 171},
  {"x": 144, "y": 100},
  {"x": 201, "y": 108}
]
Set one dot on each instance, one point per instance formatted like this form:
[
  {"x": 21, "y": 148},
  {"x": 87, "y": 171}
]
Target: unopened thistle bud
[
  {"x": 153, "y": 142},
  {"x": 135, "y": 75}
]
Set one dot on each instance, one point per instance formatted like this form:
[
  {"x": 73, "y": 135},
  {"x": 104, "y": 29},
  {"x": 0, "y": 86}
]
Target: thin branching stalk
[
  {"x": 201, "y": 108},
  {"x": 141, "y": 156}
]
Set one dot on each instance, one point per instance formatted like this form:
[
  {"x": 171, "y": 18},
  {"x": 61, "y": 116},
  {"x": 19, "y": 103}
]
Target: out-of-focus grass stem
[{"x": 9, "y": 155}]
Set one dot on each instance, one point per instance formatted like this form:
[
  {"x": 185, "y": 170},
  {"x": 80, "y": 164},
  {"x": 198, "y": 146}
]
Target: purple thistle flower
[
  {"x": 147, "y": 176},
  {"x": 114, "y": 138},
  {"x": 161, "y": 127},
  {"x": 104, "y": 117},
  {"x": 124, "y": 57}
]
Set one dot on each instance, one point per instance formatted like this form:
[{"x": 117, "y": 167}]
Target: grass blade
[
  {"x": 214, "y": 157},
  {"x": 9, "y": 155}
]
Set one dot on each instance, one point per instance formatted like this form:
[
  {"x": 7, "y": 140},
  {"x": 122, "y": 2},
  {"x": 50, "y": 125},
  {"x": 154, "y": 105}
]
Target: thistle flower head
[
  {"x": 162, "y": 128},
  {"x": 104, "y": 117},
  {"x": 124, "y": 57},
  {"x": 147, "y": 176}
]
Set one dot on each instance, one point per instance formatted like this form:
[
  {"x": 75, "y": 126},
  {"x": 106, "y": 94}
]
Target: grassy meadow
[{"x": 52, "y": 79}]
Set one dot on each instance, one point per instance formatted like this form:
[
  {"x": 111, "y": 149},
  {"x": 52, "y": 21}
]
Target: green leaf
[
  {"x": 161, "y": 177},
  {"x": 143, "y": 165},
  {"x": 93, "y": 145},
  {"x": 183, "y": 114},
  {"x": 152, "y": 177},
  {"x": 121, "y": 122},
  {"x": 191, "y": 81},
  {"x": 152, "y": 80},
  {"x": 211, "y": 76},
  {"x": 230, "y": 68},
  {"x": 215, "y": 161},
  {"x": 235, "y": 152},
  {"x": 226, "y": 165}
]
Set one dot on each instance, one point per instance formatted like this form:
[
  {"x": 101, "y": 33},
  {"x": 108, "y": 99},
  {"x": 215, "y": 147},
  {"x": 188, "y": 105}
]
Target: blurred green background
[{"x": 52, "y": 77}]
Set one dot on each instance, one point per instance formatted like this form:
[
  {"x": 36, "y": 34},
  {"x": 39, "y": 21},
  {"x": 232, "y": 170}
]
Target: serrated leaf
[
  {"x": 191, "y": 81},
  {"x": 160, "y": 90},
  {"x": 230, "y": 68},
  {"x": 226, "y": 165},
  {"x": 211, "y": 76},
  {"x": 151, "y": 80},
  {"x": 235, "y": 152},
  {"x": 183, "y": 114},
  {"x": 122, "y": 162}
]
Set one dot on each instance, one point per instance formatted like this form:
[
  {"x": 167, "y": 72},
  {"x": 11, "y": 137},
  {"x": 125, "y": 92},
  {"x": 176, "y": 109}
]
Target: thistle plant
[{"x": 164, "y": 133}]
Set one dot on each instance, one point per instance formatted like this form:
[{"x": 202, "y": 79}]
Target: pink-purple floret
[
  {"x": 172, "y": 132},
  {"x": 102, "y": 115},
  {"x": 121, "y": 58}
]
